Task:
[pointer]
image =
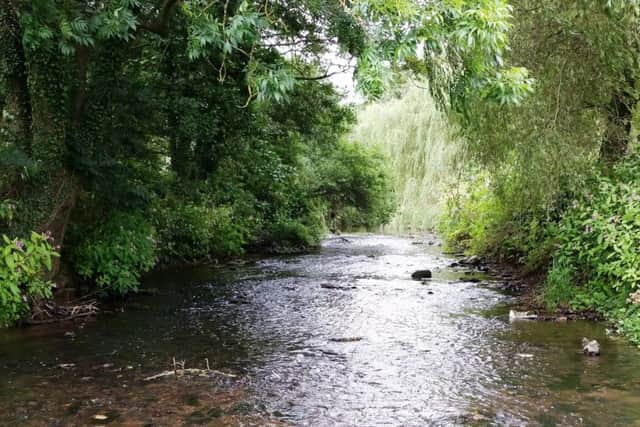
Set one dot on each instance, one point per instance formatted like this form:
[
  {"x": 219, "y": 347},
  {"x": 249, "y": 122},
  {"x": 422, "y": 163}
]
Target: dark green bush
[
  {"x": 190, "y": 232},
  {"x": 116, "y": 253},
  {"x": 354, "y": 182}
]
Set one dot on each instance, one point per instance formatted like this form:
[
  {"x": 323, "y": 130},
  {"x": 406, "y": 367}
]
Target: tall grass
[{"x": 423, "y": 152}]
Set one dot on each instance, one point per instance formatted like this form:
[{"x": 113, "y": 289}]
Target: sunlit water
[{"x": 440, "y": 352}]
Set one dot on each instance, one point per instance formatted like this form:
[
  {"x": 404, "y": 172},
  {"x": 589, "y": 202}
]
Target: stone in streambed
[
  {"x": 421, "y": 274},
  {"x": 590, "y": 347}
]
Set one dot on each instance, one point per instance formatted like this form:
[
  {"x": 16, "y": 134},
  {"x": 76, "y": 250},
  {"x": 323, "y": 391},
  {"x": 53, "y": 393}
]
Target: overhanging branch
[{"x": 161, "y": 25}]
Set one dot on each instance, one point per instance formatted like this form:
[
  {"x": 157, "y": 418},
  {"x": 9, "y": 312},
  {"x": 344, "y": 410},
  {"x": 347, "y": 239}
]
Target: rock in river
[
  {"x": 421, "y": 274},
  {"x": 590, "y": 347}
]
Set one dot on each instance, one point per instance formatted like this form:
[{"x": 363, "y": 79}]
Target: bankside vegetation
[
  {"x": 551, "y": 182},
  {"x": 139, "y": 132}
]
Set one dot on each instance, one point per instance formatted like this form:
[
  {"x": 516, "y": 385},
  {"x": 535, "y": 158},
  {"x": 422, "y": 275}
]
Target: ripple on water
[{"x": 340, "y": 337}]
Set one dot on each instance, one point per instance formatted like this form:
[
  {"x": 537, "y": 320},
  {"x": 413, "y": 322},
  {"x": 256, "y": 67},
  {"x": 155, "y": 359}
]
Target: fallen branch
[
  {"x": 189, "y": 372},
  {"x": 179, "y": 371},
  {"x": 49, "y": 312}
]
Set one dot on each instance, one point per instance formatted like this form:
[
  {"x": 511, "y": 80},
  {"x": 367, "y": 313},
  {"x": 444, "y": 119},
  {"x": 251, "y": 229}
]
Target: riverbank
[{"x": 528, "y": 286}]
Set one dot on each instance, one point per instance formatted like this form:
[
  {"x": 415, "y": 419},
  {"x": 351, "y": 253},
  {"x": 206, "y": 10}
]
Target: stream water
[{"x": 439, "y": 352}]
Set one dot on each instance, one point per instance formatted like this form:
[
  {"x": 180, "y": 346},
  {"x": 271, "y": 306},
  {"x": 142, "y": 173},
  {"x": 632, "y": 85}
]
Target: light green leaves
[
  {"x": 508, "y": 87},
  {"x": 271, "y": 83},
  {"x": 461, "y": 43},
  {"x": 210, "y": 33},
  {"x": 22, "y": 263}
]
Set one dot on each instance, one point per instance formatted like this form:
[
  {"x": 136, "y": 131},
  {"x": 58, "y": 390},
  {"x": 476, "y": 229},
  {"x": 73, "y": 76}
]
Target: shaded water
[{"x": 434, "y": 353}]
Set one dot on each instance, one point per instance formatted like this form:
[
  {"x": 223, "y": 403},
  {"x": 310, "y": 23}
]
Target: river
[{"x": 338, "y": 337}]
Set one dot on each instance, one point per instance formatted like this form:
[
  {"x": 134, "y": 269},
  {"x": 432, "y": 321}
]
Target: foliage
[
  {"x": 117, "y": 252},
  {"x": 471, "y": 222},
  {"x": 423, "y": 152},
  {"x": 556, "y": 191},
  {"x": 287, "y": 235},
  {"x": 536, "y": 155},
  {"x": 112, "y": 109},
  {"x": 459, "y": 46},
  {"x": 191, "y": 233},
  {"x": 353, "y": 180},
  {"x": 22, "y": 266},
  {"x": 597, "y": 243}
]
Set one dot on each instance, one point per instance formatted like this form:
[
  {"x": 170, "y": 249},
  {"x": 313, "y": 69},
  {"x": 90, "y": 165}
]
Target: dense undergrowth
[
  {"x": 588, "y": 245},
  {"x": 279, "y": 190}
]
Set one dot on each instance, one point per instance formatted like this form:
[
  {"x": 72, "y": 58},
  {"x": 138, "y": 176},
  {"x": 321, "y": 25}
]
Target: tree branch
[
  {"x": 320, "y": 77},
  {"x": 161, "y": 25}
]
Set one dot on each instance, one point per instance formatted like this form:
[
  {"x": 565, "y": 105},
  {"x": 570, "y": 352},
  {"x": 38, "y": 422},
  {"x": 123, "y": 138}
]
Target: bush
[
  {"x": 473, "y": 222},
  {"x": 597, "y": 263},
  {"x": 117, "y": 253},
  {"x": 190, "y": 233},
  {"x": 288, "y": 235},
  {"x": 22, "y": 263},
  {"x": 354, "y": 182}
]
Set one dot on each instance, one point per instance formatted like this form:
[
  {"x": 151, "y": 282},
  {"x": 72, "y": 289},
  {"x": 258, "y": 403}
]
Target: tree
[{"x": 77, "y": 79}]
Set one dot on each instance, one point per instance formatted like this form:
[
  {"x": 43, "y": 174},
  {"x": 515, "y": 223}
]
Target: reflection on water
[{"x": 433, "y": 353}]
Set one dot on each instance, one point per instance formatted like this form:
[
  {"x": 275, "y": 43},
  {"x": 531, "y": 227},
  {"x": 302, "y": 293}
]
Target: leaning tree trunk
[{"x": 56, "y": 114}]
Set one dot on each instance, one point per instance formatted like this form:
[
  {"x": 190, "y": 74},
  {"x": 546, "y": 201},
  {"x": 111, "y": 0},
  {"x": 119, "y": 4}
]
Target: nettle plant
[{"x": 22, "y": 264}]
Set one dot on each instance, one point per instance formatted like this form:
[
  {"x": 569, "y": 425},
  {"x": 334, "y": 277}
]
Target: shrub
[
  {"x": 117, "y": 253},
  {"x": 597, "y": 263},
  {"x": 472, "y": 222},
  {"x": 22, "y": 262},
  {"x": 288, "y": 235},
  {"x": 191, "y": 233},
  {"x": 356, "y": 185}
]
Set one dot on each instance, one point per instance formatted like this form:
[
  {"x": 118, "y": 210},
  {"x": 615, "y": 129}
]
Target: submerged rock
[
  {"x": 421, "y": 274},
  {"x": 590, "y": 347}
]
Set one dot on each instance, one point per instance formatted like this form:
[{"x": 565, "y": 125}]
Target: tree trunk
[
  {"x": 616, "y": 143},
  {"x": 17, "y": 103}
]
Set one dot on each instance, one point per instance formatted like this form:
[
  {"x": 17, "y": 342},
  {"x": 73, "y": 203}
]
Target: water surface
[{"x": 439, "y": 352}]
